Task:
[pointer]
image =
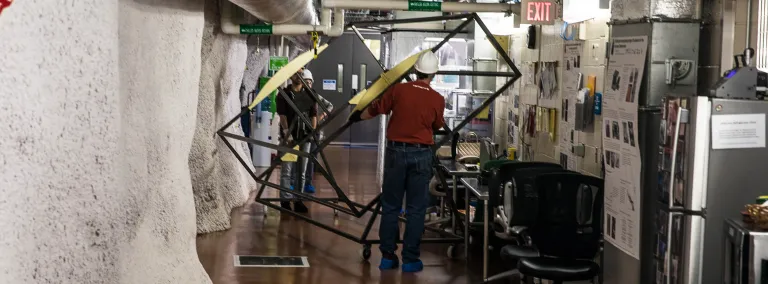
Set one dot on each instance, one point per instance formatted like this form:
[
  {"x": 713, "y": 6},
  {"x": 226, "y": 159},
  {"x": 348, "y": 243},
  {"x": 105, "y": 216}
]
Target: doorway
[{"x": 344, "y": 69}]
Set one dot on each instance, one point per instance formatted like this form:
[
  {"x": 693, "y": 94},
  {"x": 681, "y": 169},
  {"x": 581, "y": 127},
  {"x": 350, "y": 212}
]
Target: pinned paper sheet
[
  {"x": 738, "y": 131},
  {"x": 288, "y": 157}
]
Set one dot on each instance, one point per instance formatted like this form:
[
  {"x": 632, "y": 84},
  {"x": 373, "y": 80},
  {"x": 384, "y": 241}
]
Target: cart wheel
[
  {"x": 452, "y": 251},
  {"x": 365, "y": 252}
]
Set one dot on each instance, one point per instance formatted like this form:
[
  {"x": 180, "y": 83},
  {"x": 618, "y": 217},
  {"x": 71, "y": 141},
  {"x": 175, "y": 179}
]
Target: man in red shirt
[{"x": 416, "y": 111}]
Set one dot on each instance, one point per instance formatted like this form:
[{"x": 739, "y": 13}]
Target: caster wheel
[
  {"x": 453, "y": 251},
  {"x": 365, "y": 252}
]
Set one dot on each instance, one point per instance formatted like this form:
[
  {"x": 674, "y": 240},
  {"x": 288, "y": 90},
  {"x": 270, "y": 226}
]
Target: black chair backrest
[
  {"x": 525, "y": 195},
  {"x": 569, "y": 223},
  {"x": 512, "y": 173}
]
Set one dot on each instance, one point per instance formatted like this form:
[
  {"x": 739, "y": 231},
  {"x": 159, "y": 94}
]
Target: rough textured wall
[
  {"x": 97, "y": 126},
  {"x": 219, "y": 182},
  {"x": 159, "y": 73},
  {"x": 59, "y": 159}
]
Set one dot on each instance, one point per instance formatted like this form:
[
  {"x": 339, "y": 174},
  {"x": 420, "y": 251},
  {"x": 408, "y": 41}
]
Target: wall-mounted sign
[
  {"x": 424, "y": 6},
  {"x": 256, "y": 29},
  {"x": 329, "y": 85},
  {"x": 539, "y": 12},
  {"x": 277, "y": 62}
]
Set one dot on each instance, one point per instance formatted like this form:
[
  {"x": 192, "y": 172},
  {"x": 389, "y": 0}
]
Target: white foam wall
[
  {"x": 219, "y": 181},
  {"x": 100, "y": 102}
]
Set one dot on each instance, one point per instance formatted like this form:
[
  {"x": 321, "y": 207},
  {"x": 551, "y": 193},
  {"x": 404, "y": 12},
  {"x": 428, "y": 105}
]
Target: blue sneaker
[
  {"x": 309, "y": 188},
  {"x": 413, "y": 266},
  {"x": 388, "y": 263}
]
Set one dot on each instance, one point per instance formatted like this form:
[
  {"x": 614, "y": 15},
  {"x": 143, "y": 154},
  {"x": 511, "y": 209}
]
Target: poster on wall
[
  {"x": 570, "y": 85},
  {"x": 621, "y": 152}
]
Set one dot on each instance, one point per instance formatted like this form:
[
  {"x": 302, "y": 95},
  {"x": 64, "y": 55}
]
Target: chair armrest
[
  {"x": 519, "y": 230},
  {"x": 522, "y": 233}
]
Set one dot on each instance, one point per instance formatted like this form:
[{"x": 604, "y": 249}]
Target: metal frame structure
[{"x": 374, "y": 206}]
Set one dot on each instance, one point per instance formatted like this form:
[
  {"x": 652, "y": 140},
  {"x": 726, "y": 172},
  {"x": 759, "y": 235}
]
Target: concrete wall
[
  {"x": 550, "y": 47},
  {"x": 98, "y": 106},
  {"x": 110, "y": 116},
  {"x": 219, "y": 182}
]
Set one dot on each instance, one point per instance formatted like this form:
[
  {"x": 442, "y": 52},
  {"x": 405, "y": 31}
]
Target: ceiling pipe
[
  {"x": 302, "y": 22},
  {"x": 391, "y": 5},
  {"x": 325, "y": 27}
]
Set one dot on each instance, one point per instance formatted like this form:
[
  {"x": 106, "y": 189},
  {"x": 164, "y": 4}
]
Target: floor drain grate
[{"x": 270, "y": 261}]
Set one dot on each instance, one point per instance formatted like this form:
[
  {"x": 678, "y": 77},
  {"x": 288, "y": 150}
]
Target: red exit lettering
[{"x": 538, "y": 11}]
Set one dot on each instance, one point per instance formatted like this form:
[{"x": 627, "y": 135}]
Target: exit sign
[{"x": 539, "y": 12}]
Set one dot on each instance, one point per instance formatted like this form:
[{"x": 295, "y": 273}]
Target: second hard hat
[
  {"x": 427, "y": 63},
  {"x": 307, "y": 75}
]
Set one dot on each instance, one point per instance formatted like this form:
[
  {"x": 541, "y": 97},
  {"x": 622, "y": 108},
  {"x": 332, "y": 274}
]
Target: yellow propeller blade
[
  {"x": 284, "y": 74},
  {"x": 288, "y": 157},
  {"x": 366, "y": 96}
]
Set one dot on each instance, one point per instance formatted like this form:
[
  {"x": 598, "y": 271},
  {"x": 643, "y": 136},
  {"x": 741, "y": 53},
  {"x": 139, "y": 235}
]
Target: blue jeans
[
  {"x": 407, "y": 171},
  {"x": 292, "y": 173},
  {"x": 310, "y": 172}
]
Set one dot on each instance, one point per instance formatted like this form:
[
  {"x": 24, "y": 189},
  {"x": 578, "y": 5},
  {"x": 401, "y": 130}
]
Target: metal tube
[
  {"x": 466, "y": 220},
  {"x": 747, "y": 55},
  {"x": 451, "y": 35},
  {"x": 265, "y": 144},
  {"x": 424, "y": 241},
  {"x": 381, "y": 153},
  {"x": 485, "y": 239},
  {"x": 454, "y": 189},
  {"x": 403, "y": 6},
  {"x": 370, "y": 222},
  {"x": 477, "y": 73},
  {"x": 409, "y": 21},
  {"x": 475, "y": 112},
  {"x": 313, "y": 222},
  {"x": 496, "y": 45}
]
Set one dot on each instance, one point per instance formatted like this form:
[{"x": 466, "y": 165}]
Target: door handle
[{"x": 682, "y": 118}]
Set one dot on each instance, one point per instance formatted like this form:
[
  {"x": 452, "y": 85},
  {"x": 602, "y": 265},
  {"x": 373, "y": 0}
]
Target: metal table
[
  {"x": 459, "y": 170},
  {"x": 481, "y": 192}
]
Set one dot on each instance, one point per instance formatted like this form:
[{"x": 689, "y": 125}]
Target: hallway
[{"x": 332, "y": 259}]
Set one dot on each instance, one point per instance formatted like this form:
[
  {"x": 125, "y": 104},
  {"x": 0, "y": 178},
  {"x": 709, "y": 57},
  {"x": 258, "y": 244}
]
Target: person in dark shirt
[
  {"x": 416, "y": 111},
  {"x": 310, "y": 173},
  {"x": 293, "y": 128}
]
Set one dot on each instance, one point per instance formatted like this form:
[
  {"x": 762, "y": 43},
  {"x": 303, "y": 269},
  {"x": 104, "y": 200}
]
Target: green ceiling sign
[
  {"x": 256, "y": 29},
  {"x": 424, "y": 6}
]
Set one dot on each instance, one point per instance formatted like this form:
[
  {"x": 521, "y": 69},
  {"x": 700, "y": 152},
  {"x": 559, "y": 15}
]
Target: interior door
[
  {"x": 366, "y": 70},
  {"x": 332, "y": 71}
]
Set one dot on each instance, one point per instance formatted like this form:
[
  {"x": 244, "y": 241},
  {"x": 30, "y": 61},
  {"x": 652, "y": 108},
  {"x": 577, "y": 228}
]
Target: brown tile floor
[{"x": 332, "y": 259}]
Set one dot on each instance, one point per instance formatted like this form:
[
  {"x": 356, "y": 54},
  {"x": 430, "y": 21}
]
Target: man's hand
[{"x": 286, "y": 135}]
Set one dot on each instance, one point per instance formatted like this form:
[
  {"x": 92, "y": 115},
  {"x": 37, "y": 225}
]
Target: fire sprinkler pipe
[
  {"x": 423, "y": 6},
  {"x": 325, "y": 27},
  {"x": 335, "y": 9}
]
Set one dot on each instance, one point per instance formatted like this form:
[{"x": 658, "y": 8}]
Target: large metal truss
[{"x": 342, "y": 203}]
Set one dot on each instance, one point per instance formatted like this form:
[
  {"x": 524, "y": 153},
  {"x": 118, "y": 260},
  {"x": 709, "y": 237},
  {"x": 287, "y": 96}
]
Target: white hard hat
[
  {"x": 307, "y": 75},
  {"x": 427, "y": 63}
]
